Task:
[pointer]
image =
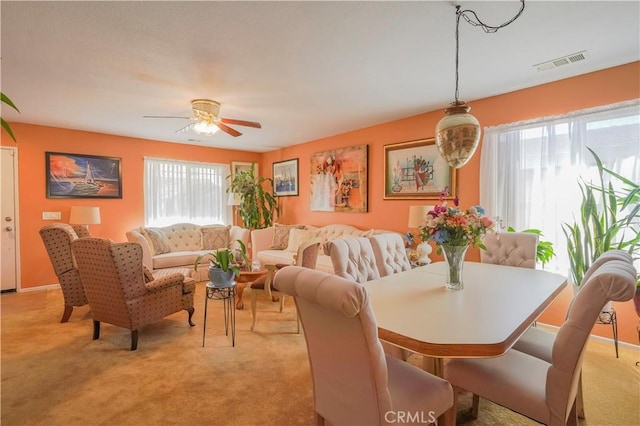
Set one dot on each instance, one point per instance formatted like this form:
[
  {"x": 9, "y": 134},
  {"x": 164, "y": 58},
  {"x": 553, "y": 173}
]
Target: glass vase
[{"x": 454, "y": 256}]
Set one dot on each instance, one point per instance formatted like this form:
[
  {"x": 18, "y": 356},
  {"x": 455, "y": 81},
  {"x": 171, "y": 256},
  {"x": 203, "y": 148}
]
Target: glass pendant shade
[{"x": 457, "y": 134}]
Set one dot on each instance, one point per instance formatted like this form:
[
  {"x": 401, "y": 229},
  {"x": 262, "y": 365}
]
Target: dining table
[{"x": 415, "y": 311}]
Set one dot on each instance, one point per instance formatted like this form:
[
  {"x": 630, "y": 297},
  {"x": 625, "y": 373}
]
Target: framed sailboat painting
[{"x": 83, "y": 176}]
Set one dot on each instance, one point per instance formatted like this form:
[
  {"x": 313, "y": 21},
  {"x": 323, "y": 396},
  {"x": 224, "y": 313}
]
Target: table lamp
[
  {"x": 417, "y": 215},
  {"x": 82, "y": 217}
]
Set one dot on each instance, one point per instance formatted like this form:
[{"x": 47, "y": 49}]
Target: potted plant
[
  {"x": 223, "y": 264},
  {"x": 601, "y": 228},
  {"x": 5, "y": 100},
  {"x": 258, "y": 204}
]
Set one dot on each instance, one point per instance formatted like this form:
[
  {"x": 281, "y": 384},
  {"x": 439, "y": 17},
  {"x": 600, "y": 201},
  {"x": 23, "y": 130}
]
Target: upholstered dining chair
[
  {"x": 353, "y": 258},
  {"x": 539, "y": 343},
  {"x": 546, "y": 391},
  {"x": 57, "y": 238},
  {"x": 114, "y": 281},
  {"x": 306, "y": 256},
  {"x": 390, "y": 253},
  {"x": 510, "y": 249},
  {"x": 354, "y": 382}
]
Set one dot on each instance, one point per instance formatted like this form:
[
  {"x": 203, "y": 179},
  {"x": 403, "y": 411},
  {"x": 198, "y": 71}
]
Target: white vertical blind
[
  {"x": 529, "y": 171},
  {"x": 182, "y": 191}
]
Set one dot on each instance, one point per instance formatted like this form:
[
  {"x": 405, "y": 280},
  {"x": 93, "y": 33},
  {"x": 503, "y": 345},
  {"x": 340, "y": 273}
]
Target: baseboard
[
  {"x": 40, "y": 288},
  {"x": 555, "y": 328}
]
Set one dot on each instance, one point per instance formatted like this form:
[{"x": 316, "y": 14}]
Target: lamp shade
[
  {"x": 417, "y": 215},
  {"x": 457, "y": 135},
  {"x": 233, "y": 199},
  {"x": 84, "y": 215}
]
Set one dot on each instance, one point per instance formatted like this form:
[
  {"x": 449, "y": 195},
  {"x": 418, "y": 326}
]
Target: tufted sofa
[
  {"x": 276, "y": 245},
  {"x": 178, "y": 246}
]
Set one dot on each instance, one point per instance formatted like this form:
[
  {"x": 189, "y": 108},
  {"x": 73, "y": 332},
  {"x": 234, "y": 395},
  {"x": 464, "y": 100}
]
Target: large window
[
  {"x": 529, "y": 171},
  {"x": 181, "y": 191}
]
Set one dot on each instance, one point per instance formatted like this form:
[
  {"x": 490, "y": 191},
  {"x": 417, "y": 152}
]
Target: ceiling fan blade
[
  {"x": 185, "y": 128},
  {"x": 228, "y": 129},
  {"x": 165, "y": 116},
  {"x": 241, "y": 122}
]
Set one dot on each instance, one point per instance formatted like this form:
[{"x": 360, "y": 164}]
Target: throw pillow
[
  {"x": 299, "y": 236},
  {"x": 281, "y": 236},
  {"x": 215, "y": 237},
  {"x": 159, "y": 240}
]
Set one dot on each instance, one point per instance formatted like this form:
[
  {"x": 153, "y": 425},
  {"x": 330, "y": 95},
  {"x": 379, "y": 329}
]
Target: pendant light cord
[{"x": 471, "y": 17}]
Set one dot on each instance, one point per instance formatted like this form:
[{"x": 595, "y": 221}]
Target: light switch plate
[{"x": 51, "y": 215}]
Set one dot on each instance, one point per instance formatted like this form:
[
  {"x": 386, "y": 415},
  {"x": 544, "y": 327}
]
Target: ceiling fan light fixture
[{"x": 204, "y": 127}]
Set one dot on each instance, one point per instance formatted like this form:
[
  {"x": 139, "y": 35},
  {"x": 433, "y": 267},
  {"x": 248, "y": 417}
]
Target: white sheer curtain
[
  {"x": 181, "y": 191},
  {"x": 529, "y": 171}
]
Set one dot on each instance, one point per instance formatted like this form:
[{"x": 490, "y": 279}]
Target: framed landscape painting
[
  {"x": 285, "y": 178},
  {"x": 82, "y": 176},
  {"x": 339, "y": 180},
  {"x": 415, "y": 170}
]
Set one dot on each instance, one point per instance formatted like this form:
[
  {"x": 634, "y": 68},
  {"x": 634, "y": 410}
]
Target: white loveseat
[
  {"x": 270, "y": 246},
  {"x": 178, "y": 246}
]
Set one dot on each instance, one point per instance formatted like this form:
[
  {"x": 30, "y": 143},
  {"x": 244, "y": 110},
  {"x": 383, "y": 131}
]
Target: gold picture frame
[{"x": 414, "y": 170}]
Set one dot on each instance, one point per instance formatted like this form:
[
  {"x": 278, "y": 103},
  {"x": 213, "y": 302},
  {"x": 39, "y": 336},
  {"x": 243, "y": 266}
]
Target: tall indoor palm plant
[
  {"x": 5, "y": 100},
  {"x": 258, "y": 204},
  {"x": 604, "y": 223}
]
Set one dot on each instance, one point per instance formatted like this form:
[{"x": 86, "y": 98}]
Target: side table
[
  {"x": 228, "y": 296},
  {"x": 245, "y": 278}
]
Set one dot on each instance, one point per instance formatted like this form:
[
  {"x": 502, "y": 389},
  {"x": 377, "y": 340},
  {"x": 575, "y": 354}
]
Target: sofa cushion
[
  {"x": 157, "y": 239},
  {"x": 281, "y": 235},
  {"x": 178, "y": 258},
  {"x": 215, "y": 237},
  {"x": 274, "y": 257},
  {"x": 297, "y": 237}
]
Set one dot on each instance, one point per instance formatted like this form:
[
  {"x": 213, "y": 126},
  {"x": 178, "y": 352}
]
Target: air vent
[{"x": 565, "y": 60}]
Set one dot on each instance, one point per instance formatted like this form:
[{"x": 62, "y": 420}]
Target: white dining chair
[
  {"x": 546, "y": 391},
  {"x": 354, "y": 382},
  {"x": 353, "y": 258},
  {"x": 539, "y": 343},
  {"x": 390, "y": 253},
  {"x": 510, "y": 249}
]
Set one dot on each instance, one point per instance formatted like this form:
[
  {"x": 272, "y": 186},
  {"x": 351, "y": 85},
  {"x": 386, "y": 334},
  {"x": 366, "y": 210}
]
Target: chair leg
[
  {"x": 448, "y": 418},
  {"x": 134, "y": 340},
  {"x": 475, "y": 407},
  {"x": 67, "y": 313},
  {"x": 254, "y": 301},
  {"x": 96, "y": 330},
  {"x": 281, "y": 303},
  {"x": 614, "y": 327},
  {"x": 318, "y": 419},
  {"x": 191, "y": 310},
  {"x": 573, "y": 415},
  {"x": 579, "y": 400}
]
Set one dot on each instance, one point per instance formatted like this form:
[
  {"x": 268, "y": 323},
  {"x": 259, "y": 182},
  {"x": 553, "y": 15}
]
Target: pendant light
[{"x": 458, "y": 132}]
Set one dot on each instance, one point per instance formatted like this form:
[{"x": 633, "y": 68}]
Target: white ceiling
[{"x": 305, "y": 70}]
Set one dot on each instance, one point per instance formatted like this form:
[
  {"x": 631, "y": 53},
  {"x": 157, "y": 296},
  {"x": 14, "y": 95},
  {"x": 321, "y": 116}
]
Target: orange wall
[
  {"x": 590, "y": 90},
  {"x": 117, "y": 215}
]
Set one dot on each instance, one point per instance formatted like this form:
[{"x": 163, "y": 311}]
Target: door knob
[{"x": 9, "y": 228}]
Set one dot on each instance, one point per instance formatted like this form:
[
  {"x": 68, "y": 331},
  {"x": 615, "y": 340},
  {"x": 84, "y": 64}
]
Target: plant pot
[
  {"x": 220, "y": 278},
  {"x": 636, "y": 301}
]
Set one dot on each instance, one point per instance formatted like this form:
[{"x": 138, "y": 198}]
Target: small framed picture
[
  {"x": 240, "y": 166},
  {"x": 415, "y": 170},
  {"x": 285, "y": 178},
  {"x": 82, "y": 176}
]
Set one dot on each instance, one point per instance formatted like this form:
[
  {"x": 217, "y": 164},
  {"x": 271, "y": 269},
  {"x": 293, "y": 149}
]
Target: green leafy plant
[
  {"x": 226, "y": 258},
  {"x": 600, "y": 228},
  {"x": 544, "y": 251},
  {"x": 258, "y": 205},
  {"x": 5, "y": 100}
]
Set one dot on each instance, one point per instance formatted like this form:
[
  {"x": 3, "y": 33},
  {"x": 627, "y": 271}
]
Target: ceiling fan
[{"x": 207, "y": 120}]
